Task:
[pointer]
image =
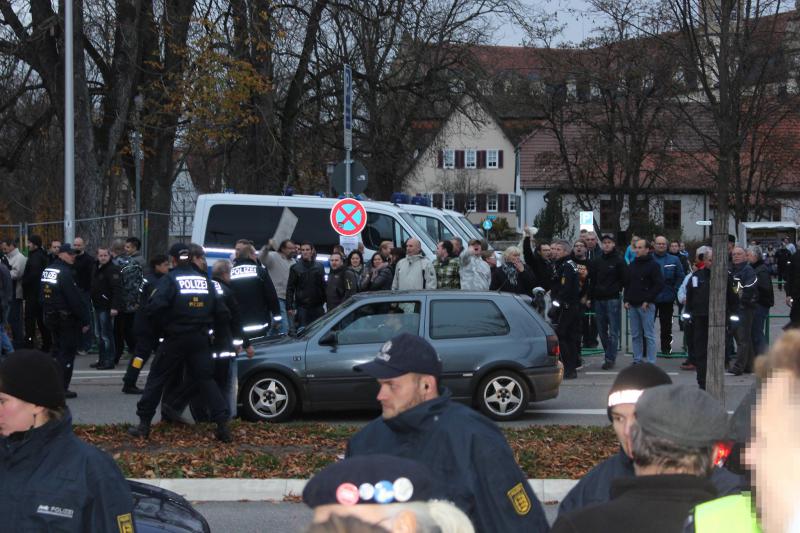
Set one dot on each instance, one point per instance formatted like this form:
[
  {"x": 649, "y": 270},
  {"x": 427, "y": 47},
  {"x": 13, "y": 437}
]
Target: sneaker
[
  {"x": 141, "y": 431},
  {"x": 70, "y": 394},
  {"x": 131, "y": 389},
  {"x": 608, "y": 365}
]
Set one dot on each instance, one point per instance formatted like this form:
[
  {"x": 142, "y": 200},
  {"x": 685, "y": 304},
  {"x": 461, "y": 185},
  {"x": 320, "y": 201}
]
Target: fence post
[{"x": 144, "y": 223}]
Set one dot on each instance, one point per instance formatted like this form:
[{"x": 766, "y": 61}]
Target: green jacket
[{"x": 731, "y": 514}]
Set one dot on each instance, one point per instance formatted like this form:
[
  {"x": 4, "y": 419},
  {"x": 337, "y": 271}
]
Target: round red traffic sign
[{"x": 348, "y": 217}]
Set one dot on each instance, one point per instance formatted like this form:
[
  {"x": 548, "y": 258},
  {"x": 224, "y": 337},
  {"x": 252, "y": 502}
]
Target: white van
[{"x": 222, "y": 219}]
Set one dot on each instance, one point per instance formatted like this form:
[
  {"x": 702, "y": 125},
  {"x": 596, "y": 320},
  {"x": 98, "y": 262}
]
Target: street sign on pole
[
  {"x": 358, "y": 178},
  {"x": 348, "y": 124},
  {"x": 487, "y": 224},
  {"x": 69, "y": 128},
  {"x": 348, "y": 217},
  {"x": 587, "y": 220}
]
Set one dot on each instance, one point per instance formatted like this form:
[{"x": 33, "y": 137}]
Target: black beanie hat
[
  {"x": 32, "y": 376},
  {"x": 632, "y": 381}
]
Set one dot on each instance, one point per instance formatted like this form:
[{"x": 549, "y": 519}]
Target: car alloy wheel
[
  {"x": 269, "y": 397},
  {"x": 503, "y": 396}
]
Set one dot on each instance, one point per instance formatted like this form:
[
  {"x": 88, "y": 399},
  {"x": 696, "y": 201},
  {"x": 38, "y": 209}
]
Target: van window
[
  {"x": 260, "y": 223},
  {"x": 452, "y": 319},
  {"x": 434, "y": 227}
]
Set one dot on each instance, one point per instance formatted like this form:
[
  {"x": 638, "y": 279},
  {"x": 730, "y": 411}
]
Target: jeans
[
  {"x": 759, "y": 320},
  {"x": 643, "y": 323},
  {"x": 283, "y": 326},
  {"x": 608, "y": 324},
  {"x": 104, "y": 326}
]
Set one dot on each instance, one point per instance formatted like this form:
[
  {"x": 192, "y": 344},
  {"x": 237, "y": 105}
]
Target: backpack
[{"x": 132, "y": 278}]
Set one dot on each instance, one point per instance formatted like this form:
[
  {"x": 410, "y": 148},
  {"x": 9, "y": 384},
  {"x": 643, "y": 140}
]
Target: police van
[{"x": 222, "y": 219}]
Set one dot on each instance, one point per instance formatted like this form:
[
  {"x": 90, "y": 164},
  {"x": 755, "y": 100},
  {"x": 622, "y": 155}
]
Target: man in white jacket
[
  {"x": 414, "y": 272},
  {"x": 476, "y": 274},
  {"x": 17, "y": 263}
]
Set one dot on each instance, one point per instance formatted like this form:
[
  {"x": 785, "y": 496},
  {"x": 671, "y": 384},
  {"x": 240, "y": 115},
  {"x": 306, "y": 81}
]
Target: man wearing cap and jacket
[
  {"x": 65, "y": 313},
  {"x": 595, "y": 486},
  {"x": 460, "y": 446},
  {"x": 674, "y": 440}
]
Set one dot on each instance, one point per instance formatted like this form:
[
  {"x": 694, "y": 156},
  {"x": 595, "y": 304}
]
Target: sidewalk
[{"x": 276, "y": 490}]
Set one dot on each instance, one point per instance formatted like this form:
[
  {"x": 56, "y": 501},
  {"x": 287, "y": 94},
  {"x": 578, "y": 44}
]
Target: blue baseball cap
[{"x": 401, "y": 355}]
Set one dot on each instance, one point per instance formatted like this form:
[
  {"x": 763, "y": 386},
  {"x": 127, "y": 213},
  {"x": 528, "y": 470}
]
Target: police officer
[
  {"x": 65, "y": 314},
  {"x": 565, "y": 312},
  {"x": 462, "y": 448},
  {"x": 49, "y": 479},
  {"x": 255, "y": 292},
  {"x": 186, "y": 307}
]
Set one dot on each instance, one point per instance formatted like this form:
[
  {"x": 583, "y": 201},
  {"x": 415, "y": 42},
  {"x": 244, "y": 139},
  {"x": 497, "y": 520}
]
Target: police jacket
[
  {"x": 255, "y": 294},
  {"x": 567, "y": 288},
  {"x": 644, "y": 282},
  {"x": 766, "y": 295},
  {"x": 468, "y": 452},
  {"x": 144, "y": 327},
  {"x": 106, "y": 291},
  {"x": 31, "y": 278},
  {"x": 744, "y": 285},
  {"x": 731, "y": 513},
  {"x": 672, "y": 271},
  {"x": 238, "y": 335},
  {"x": 608, "y": 276},
  {"x": 52, "y": 481},
  {"x": 656, "y": 504},
  {"x": 698, "y": 291},
  {"x": 306, "y": 285},
  {"x": 342, "y": 284},
  {"x": 185, "y": 301},
  {"x": 595, "y": 486},
  {"x": 59, "y": 293}
]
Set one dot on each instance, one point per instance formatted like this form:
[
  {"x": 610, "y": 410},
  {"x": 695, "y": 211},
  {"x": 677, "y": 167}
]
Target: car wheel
[
  {"x": 503, "y": 395},
  {"x": 268, "y": 397}
]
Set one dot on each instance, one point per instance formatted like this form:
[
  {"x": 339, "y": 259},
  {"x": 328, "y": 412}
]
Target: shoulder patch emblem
[
  {"x": 125, "y": 523},
  {"x": 519, "y": 499}
]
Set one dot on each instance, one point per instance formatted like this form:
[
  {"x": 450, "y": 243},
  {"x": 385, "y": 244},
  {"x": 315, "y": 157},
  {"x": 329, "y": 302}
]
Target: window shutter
[
  {"x": 480, "y": 204},
  {"x": 502, "y": 203},
  {"x": 440, "y": 162},
  {"x": 481, "y": 158},
  {"x": 459, "y": 158},
  {"x": 499, "y": 159},
  {"x": 460, "y": 202},
  {"x": 438, "y": 200}
]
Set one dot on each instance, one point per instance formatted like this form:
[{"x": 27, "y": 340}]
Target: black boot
[
  {"x": 141, "y": 431},
  {"x": 131, "y": 389},
  {"x": 223, "y": 432}
]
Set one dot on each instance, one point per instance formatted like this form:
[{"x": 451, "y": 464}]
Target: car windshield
[
  {"x": 419, "y": 231},
  {"x": 466, "y": 227},
  {"x": 322, "y": 321}
]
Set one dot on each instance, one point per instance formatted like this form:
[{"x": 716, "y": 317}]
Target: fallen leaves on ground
[{"x": 299, "y": 450}]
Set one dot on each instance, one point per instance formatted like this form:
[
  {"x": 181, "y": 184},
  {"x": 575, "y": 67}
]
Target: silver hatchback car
[{"x": 498, "y": 354}]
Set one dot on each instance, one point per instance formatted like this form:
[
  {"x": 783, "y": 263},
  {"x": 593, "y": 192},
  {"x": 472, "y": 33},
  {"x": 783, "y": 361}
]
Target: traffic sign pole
[{"x": 348, "y": 125}]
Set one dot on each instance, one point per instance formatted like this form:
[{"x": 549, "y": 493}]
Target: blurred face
[
  {"x": 633, "y": 240},
  {"x": 162, "y": 268},
  {"x": 579, "y": 249},
  {"x": 776, "y": 438},
  {"x": 130, "y": 249},
  {"x": 513, "y": 258},
  {"x": 608, "y": 246},
  {"x": 559, "y": 251},
  {"x": 306, "y": 252},
  {"x": 476, "y": 249},
  {"x": 752, "y": 257},
  {"x": 660, "y": 245},
  {"x": 400, "y": 394},
  {"x": 674, "y": 247},
  {"x": 591, "y": 241},
  {"x": 18, "y": 415},
  {"x": 546, "y": 251},
  {"x": 386, "y": 248},
  {"x": 336, "y": 261},
  {"x": 6, "y": 248},
  {"x": 67, "y": 258},
  {"x": 738, "y": 255},
  {"x": 413, "y": 247},
  {"x": 54, "y": 247},
  {"x": 78, "y": 244},
  {"x": 355, "y": 260},
  {"x": 377, "y": 261},
  {"x": 103, "y": 257},
  {"x": 289, "y": 249},
  {"x": 641, "y": 248},
  {"x": 492, "y": 260},
  {"x": 457, "y": 247},
  {"x": 622, "y": 416},
  {"x": 441, "y": 253}
]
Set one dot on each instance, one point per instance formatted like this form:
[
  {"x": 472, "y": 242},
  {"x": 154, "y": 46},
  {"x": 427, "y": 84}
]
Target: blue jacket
[
  {"x": 673, "y": 273},
  {"x": 468, "y": 452},
  {"x": 594, "y": 487},
  {"x": 52, "y": 481}
]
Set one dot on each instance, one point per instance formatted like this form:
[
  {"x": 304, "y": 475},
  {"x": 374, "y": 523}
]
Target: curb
[{"x": 276, "y": 490}]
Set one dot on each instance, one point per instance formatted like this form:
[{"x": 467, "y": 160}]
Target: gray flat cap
[{"x": 682, "y": 414}]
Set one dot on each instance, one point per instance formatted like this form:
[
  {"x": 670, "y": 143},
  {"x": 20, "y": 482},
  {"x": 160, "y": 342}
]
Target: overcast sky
[{"x": 573, "y": 13}]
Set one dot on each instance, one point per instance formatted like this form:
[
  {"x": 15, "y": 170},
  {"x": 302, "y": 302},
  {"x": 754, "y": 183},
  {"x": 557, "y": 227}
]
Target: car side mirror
[{"x": 329, "y": 339}]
